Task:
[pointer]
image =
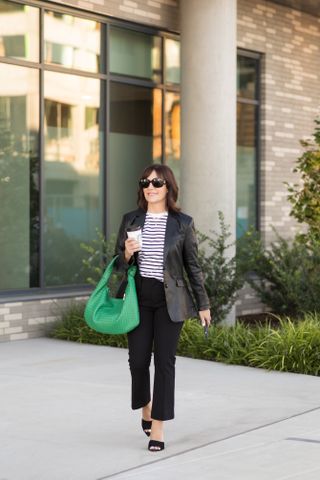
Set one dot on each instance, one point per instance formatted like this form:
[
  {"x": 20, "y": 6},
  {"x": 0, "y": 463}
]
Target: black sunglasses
[{"x": 156, "y": 182}]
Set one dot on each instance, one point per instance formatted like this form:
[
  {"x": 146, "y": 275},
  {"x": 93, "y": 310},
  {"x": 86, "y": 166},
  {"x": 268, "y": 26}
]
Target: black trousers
[{"x": 156, "y": 330}]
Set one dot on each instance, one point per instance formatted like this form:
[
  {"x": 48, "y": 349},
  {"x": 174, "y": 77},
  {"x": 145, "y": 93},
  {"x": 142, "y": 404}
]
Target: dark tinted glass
[
  {"x": 134, "y": 143},
  {"x": 135, "y": 54},
  {"x": 247, "y": 77},
  {"x": 246, "y": 167}
]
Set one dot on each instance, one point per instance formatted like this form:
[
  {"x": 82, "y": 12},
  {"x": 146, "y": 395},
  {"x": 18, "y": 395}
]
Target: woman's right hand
[{"x": 131, "y": 246}]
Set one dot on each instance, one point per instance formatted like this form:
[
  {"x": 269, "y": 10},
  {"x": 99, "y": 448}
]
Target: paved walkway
[{"x": 65, "y": 415}]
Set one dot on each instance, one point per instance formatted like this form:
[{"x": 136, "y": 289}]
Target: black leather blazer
[{"x": 180, "y": 253}]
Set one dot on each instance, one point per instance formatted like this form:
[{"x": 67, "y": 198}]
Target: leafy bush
[
  {"x": 99, "y": 252},
  {"x": 72, "y": 326},
  {"x": 288, "y": 272},
  {"x": 222, "y": 277},
  {"x": 292, "y": 346},
  {"x": 305, "y": 198}
]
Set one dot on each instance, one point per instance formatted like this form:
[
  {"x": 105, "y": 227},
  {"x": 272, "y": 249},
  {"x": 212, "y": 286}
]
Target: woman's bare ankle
[
  {"x": 157, "y": 430},
  {"x": 146, "y": 411}
]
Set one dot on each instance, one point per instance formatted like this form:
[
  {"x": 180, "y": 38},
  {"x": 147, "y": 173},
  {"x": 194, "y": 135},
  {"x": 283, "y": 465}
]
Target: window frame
[
  {"x": 105, "y": 76},
  {"x": 257, "y": 103}
]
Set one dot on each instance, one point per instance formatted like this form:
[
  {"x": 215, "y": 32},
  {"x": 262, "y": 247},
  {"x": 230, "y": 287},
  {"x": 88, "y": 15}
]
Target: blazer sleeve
[
  {"x": 193, "y": 269},
  {"x": 121, "y": 263}
]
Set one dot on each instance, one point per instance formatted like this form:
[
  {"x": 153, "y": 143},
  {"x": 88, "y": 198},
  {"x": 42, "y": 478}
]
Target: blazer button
[{"x": 165, "y": 285}]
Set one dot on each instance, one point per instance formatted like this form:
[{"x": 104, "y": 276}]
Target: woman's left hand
[{"x": 205, "y": 317}]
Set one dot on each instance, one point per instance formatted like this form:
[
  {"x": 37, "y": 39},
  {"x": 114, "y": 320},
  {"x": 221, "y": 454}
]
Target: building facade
[{"x": 92, "y": 91}]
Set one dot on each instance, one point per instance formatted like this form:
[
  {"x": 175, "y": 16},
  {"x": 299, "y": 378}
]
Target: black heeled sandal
[
  {"x": 155, "y": 443},
  {"x": 146, "y": 426}
]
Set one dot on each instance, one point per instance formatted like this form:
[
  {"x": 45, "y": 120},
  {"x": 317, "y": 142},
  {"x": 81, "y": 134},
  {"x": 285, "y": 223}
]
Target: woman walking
[{"x": 169, "y": 247}]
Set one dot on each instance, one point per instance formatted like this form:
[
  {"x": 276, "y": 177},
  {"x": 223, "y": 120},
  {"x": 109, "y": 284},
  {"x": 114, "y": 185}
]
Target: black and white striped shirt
[{"x": 151, "y": 254}]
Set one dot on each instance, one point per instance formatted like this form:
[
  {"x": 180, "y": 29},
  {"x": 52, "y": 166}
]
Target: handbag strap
[{"x": 130, "y": 272}]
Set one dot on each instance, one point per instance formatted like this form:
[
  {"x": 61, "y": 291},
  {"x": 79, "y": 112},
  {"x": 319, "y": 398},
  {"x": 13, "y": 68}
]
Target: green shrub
[
  {"x": 222, "y": 278},
  {"x": 98, "y": 253},
  {"x": 287, "y": 272},
  {"x": 292, "y": 346},
  {"x": 72, "y": 326},
  {"x": 305, "y": 197}
]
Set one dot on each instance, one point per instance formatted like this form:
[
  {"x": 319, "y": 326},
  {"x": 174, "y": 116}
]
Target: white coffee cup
[{"x": 136, "y": 234}]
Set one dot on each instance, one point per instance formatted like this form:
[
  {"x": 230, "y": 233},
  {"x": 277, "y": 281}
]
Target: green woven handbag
[{"x": 106, "y": 314}]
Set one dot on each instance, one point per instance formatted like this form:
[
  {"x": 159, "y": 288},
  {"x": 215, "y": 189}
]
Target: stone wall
[{"x": 22, "y": 320}]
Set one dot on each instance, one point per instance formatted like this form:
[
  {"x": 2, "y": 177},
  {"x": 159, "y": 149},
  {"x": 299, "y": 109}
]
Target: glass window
[
  {"x": 172, "y": 52},
  {"x": 247, "y": 77},
  {"x": 135, "y": 54},
  {"x": 246, "y": 167},
  {"x": 172, "y": 126},
  {"x": 247, "y": 153},
  {"x": 134, "y": 143},
  {"x": 19, "y": 31},
  {"x": 19, "y": 163},
  {"x": 73, "y": 180},
  {"x": 76, "y": 46}
]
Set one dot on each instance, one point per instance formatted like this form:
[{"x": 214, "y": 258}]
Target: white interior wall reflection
[
  {"x": 72, "y": 173},
  {"x": 172, "y": 53},
  {"x": 19, "y": 31},
  {"x": 76, "y": 46}
]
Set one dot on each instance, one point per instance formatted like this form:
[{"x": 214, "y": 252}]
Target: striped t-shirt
[{"x": 151, "y": 254}]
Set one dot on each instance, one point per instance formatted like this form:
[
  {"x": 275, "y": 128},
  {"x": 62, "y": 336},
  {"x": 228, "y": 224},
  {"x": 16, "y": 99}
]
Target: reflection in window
[
  {"x": 172, "y": 52},
  {"x": 246, "y": 167},
  {"x": 135, "y": 142},
  {"x": 135, "y": 54},
  {"x": 91, "y": 117},
  {"x": 76, "y": 46},
  {"x": 19, "y": 31},
  {"x": 58, "y": 119},
  {"x": 172, "y": 133},
  {"x": 247, "y": 118},
  {"x": 14, "y": 46},
  {"x": 19, "y": 163},
  {"x": 72, "y": 173},
  {"x": 247, "y": 77}
]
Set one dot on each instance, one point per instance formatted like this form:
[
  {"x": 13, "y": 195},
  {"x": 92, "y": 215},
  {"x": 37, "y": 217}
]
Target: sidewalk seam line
[{"x": 209, "y": 443}]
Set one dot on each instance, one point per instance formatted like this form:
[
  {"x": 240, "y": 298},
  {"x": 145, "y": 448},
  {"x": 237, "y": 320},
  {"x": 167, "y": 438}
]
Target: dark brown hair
[{"x": 165, "y": 172}]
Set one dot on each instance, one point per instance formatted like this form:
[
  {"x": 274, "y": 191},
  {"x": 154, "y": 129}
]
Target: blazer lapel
[
  {"x": 171, "y": 231},
  {"x": 139, "y": 218}
]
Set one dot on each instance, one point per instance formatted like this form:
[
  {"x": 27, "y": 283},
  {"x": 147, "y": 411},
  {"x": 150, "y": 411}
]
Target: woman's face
[{"x": 155, "y": 195}]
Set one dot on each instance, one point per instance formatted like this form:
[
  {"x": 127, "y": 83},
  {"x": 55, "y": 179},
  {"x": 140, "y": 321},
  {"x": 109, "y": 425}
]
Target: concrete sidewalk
[{"x": 65, "y": 415}]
